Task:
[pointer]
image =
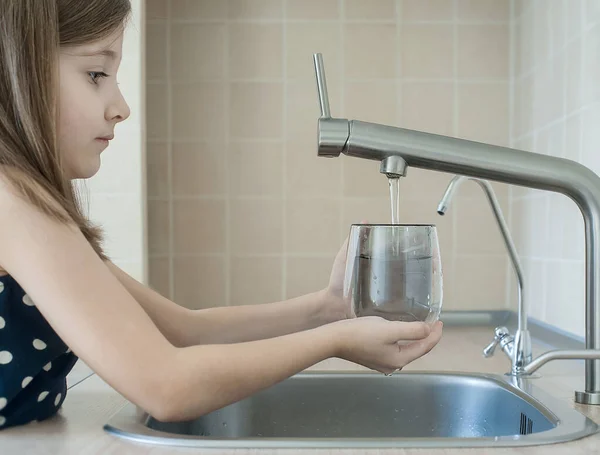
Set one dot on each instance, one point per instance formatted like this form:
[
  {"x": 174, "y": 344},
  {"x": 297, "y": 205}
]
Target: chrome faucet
[
  {"x": 400, "y": 148},
  {"x": 517, "y": 348}
]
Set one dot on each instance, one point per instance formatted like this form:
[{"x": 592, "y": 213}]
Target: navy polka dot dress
[{"x": 34, "y": 361}]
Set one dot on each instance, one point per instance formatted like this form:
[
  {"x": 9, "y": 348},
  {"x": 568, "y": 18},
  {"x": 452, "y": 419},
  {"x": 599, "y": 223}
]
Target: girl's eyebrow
[{"x": 103, "y": 52}]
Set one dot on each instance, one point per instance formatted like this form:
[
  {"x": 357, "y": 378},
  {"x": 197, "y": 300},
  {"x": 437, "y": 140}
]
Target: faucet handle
[
  {"x": 321, "y": 85},
  {"x": 500, "y": 333}
]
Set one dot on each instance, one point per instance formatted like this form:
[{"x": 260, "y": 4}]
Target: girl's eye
[{"x": 96, "y": 75}]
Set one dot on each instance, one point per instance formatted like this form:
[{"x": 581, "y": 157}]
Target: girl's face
[{"x": 90, "y": 103}]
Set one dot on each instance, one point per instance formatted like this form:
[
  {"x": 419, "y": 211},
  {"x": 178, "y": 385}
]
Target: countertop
[{"x": 77, "y": 428}]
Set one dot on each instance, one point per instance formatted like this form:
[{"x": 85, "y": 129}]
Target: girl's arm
[
  {"x": 104, "y": 325},
  {"x": 184, "y": 327}
]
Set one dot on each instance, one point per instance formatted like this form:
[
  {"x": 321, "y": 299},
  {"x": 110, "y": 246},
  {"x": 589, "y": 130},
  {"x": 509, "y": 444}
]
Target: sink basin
[{"x": 367, "y": 409}]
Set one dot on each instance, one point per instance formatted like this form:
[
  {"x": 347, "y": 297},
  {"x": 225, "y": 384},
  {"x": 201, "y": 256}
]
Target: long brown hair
[{"x": 31, "y": 34}]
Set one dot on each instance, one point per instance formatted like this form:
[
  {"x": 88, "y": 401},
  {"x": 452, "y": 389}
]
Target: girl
[{"x": 62, "y": 299}]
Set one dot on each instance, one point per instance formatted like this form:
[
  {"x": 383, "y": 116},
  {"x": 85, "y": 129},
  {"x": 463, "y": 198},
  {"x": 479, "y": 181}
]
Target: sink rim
[{"x": 570, "y": 424}]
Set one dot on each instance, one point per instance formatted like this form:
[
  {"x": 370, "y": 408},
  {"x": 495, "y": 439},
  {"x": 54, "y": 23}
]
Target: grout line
[
  {"x": 581, "y": 83},
  {"x": 228, "y": 196},
  {"x": 399, "y": 79},
  {"x": 171, "y": 241},
  {"x": 342, "y": 107},
  {"x": 326, "y": 21},
  {"x": 284, "y": 148},
  {"x": 456, "y": 113},
  {"x": 511, "y": 134}
]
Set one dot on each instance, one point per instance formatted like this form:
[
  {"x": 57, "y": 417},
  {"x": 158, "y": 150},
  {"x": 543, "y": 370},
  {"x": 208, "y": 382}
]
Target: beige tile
[
  {"x": 592, "y": 12},
  {"x": 591, "y": 137},
  {"x": 199, "y": 226},
  {"x": 302, "y": 109},
  {"x": 199, "y": 169},
  {"x": 363, "y": 179},
  {"x": 303, "y": 39},
  {"x": 158, "y": 227},
  {"x": 483, "y": 112},
  {"x": 484, "y": 10},
  {"x": 157, "y": 170},
  {"x": 591, "y": 65},
  {"x": 481, "y": 282},
  {"x": 255, "y": 51},
  {"x": 373, "y": 210},
  {"x": 256, "y": 110},
  {"x": 156, "y": 9},
  {"x": 198, "y": 9},
  {"x": 157, "y": 111},
  {"x": 551, "y": 140},
  {"x": 573, "y": 137},
  {"x": 477, "y": 230},
  {"x": 156, "y": 51},
  {"x": 312, "y": 226},
  {"x": 526, "y": 45},
  {"x": 256, "y": 226},
  {"x": 427, "y": 51},
  {"x": 428, "y": 106},
  {"x": 197, "y": 51},
  {"x": 372, "y": 101},
  {"x": 528, "y": 226},
  {"x": 427, "y": 10},
  {"x": 374, "y": 9},
  {"x": 256, "y": 280},
  {"x": 422, "y": 184},
  {"x": 424, "y": 212},
  {"x": 310, "y": 175},
  {"x": 199, "y": 111},
  {"x": 255, "y": 9},
  {"x": 565, "y": 307},
  {"x": 312, "y": 9},
  {"x": 524, "y": 106},
  {"x": 255, "y": 168},
  {"x": 574, "y": 98},
  {"x": 566, "y": 239},
  {"x": 199, "y": 282},
  {"x": 360, "y": 59},
  {"x": 574, "y": 18},
  {"x": 483, "y": 51},
  {"x": 548, "y": 91},
  {"x": 307, "y": 274},
  {"x": 160, "y": 276}
]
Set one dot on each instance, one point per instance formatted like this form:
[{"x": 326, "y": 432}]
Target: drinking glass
[{"x": 394, "y": 271}]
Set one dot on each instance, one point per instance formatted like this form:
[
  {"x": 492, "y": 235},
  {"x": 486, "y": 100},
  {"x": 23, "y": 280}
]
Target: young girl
[{"x": 62, "y": 299}]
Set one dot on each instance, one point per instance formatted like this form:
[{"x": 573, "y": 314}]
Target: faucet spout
[
  {"x": 491, "y": 162},
  {"x": 520, "y": 352}
]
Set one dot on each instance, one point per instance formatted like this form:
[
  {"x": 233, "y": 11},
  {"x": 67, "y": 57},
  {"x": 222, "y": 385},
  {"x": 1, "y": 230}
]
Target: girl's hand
[{"x": 333, "y": 300}]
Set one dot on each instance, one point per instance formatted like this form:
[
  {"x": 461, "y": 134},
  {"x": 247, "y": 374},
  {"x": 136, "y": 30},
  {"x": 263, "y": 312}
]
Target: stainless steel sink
[{"x": 341, "y": 409}]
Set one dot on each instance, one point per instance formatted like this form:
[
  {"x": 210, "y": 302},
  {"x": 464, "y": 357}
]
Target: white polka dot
[
  {"x": 42, "y": 396},
  {"x": 2, "y": 322},
  {"x": 68, "y": 350},
  {"x": 2, "y": 421},
  {"x": 27, "y": 300},
  {"x": 3, "y": 402},
  {"x": 57, "y": 399},
  {"x": 26, "y": 381},
  {"x": 5, "y": 357},
  {"x": 1, "y": 287},
  {"x": 39, "y": 344},
  {"x": 48, "y": 366}
]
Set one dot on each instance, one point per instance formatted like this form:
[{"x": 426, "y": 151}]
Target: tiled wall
[
  {"x": 116, "y": 197},
  {"x": 241, "y": 210},
  {"x": 556, "y": 111}
]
